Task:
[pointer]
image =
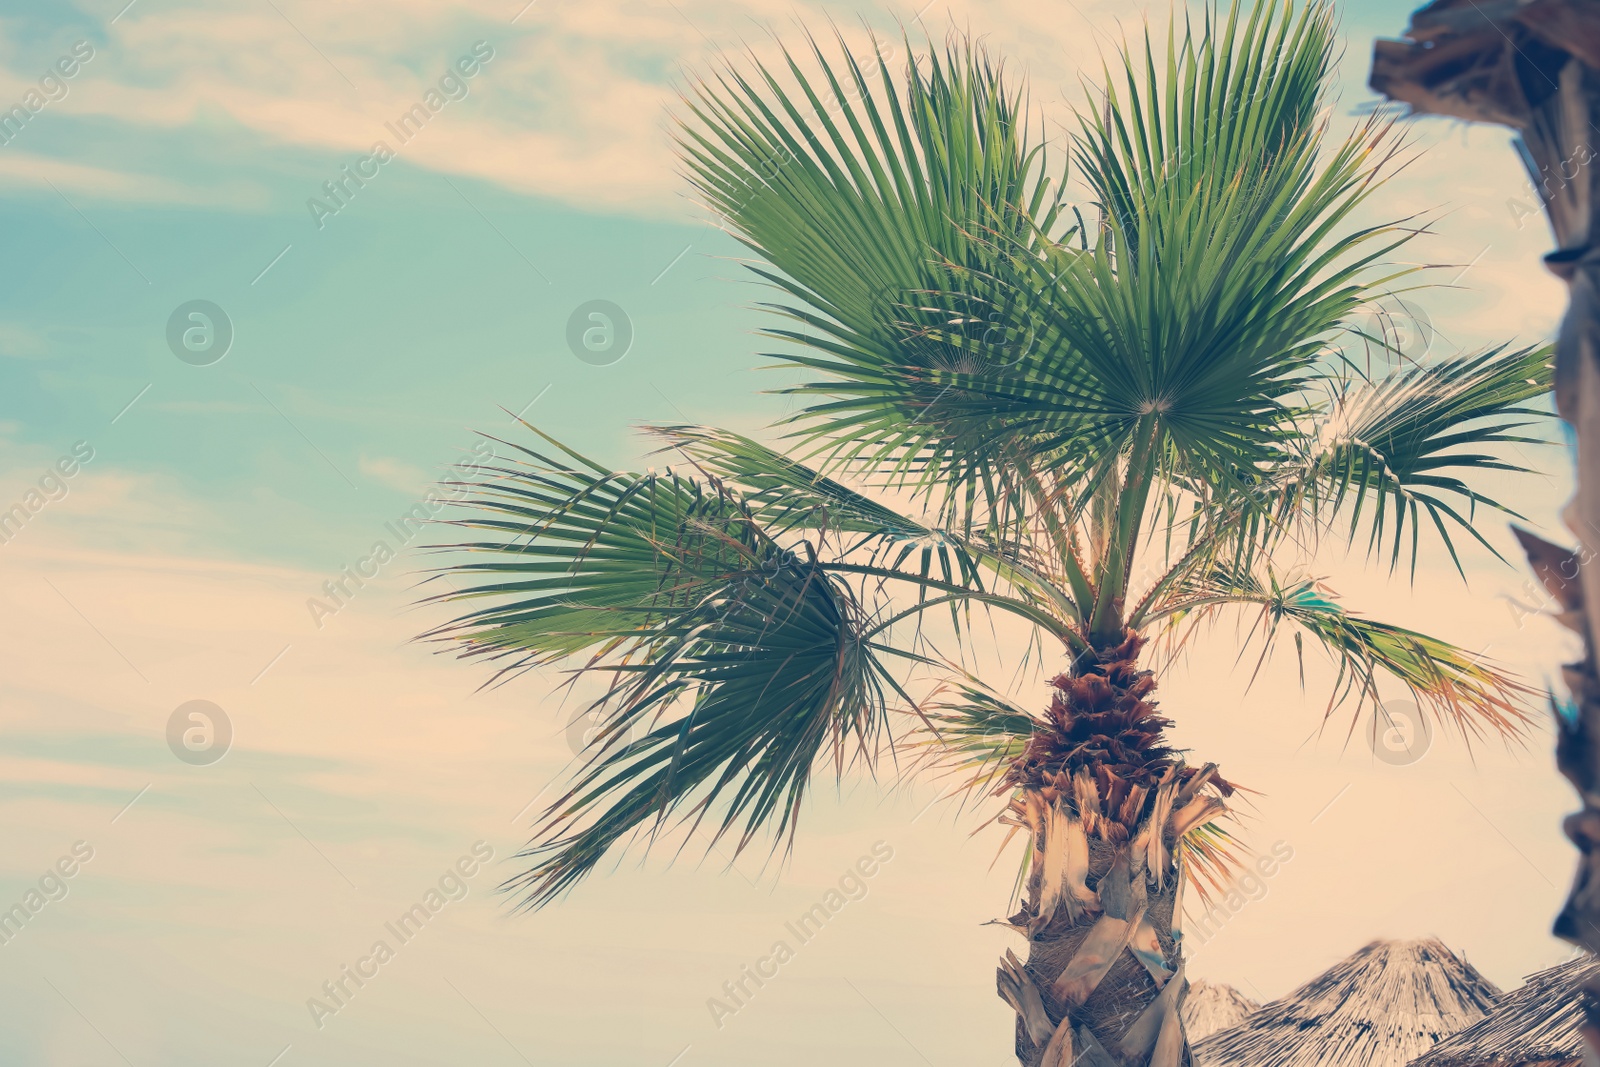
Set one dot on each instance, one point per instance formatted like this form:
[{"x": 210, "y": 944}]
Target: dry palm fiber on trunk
[{"x": 1106, "y": 803}]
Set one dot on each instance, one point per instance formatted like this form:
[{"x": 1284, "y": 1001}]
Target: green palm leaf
[
  {"x": 1201, "y": 314},
  {"x": 1395, "y": 452},
  {"x": 745, "y": 654},
  {"x": 1460, "y": 688},
  {"x": 998, "y": 412},
  {"x": 972, "y": 731},
  {"x": 792, "y": 496},
  {"x": 863, "y": 188}
]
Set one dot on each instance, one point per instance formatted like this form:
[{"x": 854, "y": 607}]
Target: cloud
[
  {"x": 572, "y": 106},
  {"x": 21, "y": 342},
  {"x": 395, "y": 474},
  {"x": 356, "y": 755},
  {"x": 45, "y": 172}
]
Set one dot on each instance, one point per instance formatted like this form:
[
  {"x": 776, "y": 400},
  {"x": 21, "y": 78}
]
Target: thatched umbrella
[
  {"x": 1535, "y": 1026},
  {"x": 1381, "y": 1007},
  {"x": 1212, "y": 1006},
  {"x": 1534, "y": 65}
]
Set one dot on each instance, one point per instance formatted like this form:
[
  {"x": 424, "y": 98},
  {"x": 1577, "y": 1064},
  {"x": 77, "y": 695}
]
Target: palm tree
[{"x": 1111, "y": 432}]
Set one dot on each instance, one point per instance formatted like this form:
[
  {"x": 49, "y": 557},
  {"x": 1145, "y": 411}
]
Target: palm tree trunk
[
  {"x": 1535, "y": 67},
  {"x": 1106, "y": 804}
]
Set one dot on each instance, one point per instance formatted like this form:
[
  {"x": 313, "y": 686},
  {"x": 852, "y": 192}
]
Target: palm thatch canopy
[
  {"x": 1535, "y": 1026},
  {"x": 1212, "y": 1006},
  {"x": 1381, "y": 1007},
  {"x": 1486, "y": 60}
]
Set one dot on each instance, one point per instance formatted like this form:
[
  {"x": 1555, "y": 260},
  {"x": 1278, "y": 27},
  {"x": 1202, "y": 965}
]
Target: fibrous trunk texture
[
  {"x": 1534, "y": 65},
  {"x": 1106, "y": 804}
]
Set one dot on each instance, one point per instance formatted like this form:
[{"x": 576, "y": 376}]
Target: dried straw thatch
[
  {"x": 1212, "y": 1006},
  {"x": 1382, "y": 1007},
  {"x": 1535, "y": 1026}
]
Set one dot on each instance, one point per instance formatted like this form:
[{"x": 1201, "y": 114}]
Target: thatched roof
[
  {"x": 1534, "y": 1026},
  {"x": 1212, "y": 1006},
  {"x": 1486, "y": 60},
  {"x": 1382, "y": 1007}
]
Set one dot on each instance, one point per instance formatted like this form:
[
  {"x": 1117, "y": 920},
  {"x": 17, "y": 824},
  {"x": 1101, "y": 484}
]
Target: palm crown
[{"x": 1102, "y": 426}]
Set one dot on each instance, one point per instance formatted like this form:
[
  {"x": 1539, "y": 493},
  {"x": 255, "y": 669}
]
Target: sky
[{"x": 346, "y": 359}]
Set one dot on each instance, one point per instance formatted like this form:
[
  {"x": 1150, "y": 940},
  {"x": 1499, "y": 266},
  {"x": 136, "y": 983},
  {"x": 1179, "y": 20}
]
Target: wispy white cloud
[
  {"x": 22, "y": 342},
  {"x": 572, "y": 106},
  {"x": 394, "y": 473},
  {"x": 31, "y": 170}
]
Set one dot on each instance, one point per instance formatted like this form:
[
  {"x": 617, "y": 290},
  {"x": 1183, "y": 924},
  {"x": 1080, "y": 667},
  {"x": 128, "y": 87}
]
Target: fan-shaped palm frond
[
  {"x": 1094, "y": 432},
  {"x": 1461, "y": 688},
  {"x": 728, "y": 626},
  {"x": 1396, "y": 451},
  {"x": 863, "y": 187}
]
